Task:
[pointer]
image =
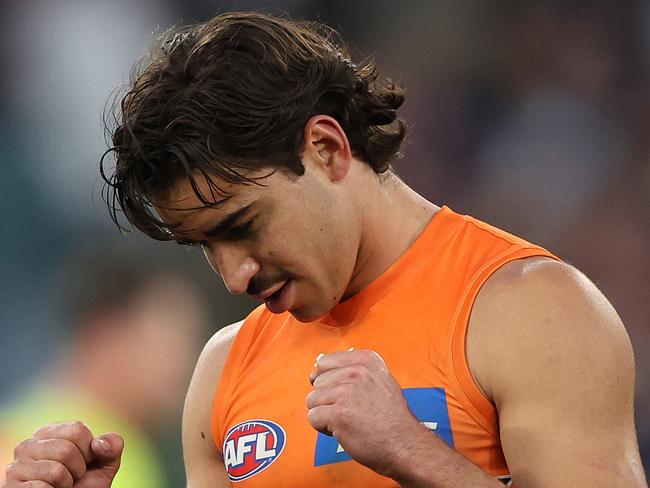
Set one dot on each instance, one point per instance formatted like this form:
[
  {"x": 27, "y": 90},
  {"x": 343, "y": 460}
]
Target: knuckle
[
  {"x": 75, "y": 427},
  {"x": 354, "y": 372},
  {"x": 78, "y": 428},
  {"x": 12, "y": 470},
  {"x": 67, "y": 451},
  {"x": 309, "y": 400},
  {"x": 43, "y": 430},
  {"x": 60, "y": 475},
  {"x": 312, "y": 416},
  {"x": 313, "y": 376},
  {"x": 23, "y": 448},
  {"x": 368, "y": 356},
  {"x": 319, "y": 381}
]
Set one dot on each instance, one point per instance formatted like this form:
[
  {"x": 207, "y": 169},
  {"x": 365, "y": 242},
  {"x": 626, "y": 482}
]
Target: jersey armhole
[
  {"x": 478, "y": 405},
  {"x": 241, "y": 344}
]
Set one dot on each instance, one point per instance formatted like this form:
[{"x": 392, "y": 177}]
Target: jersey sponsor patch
[
  {"x": 251, "y": 447},
  {"x": 429, "y": 405}
]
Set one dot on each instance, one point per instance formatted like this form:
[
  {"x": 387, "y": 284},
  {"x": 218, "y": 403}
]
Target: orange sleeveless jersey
[{"x": 415, "y": 316}]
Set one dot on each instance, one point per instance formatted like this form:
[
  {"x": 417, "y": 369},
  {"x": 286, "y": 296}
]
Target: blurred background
[{"x": 532, "y": 115}]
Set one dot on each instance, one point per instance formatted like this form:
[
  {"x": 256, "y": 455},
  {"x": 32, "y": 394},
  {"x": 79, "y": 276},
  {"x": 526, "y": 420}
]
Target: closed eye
[
  {"x": 188, "y": 243},
  {"x": 234, "y": 233},
  {"x": 238, "y": 232}
]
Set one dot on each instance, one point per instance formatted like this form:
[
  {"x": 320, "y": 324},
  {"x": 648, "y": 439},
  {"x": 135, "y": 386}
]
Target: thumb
[{"x": 108, "y": 451}]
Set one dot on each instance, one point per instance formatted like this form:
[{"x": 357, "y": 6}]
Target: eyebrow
[{"x": 227, "y": 222}]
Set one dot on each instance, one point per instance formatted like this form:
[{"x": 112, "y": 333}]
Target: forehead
[
  {"x": 212, "y": 190},
  {"x": 187, "y": 204},
  {"x": 187, "y": 195}
]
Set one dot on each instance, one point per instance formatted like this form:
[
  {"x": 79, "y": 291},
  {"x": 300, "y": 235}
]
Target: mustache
[{"x": 259, "y": 283}]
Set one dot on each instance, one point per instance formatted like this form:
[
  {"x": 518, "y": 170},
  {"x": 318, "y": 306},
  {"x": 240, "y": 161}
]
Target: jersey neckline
[{"x": 433, "y": 235}]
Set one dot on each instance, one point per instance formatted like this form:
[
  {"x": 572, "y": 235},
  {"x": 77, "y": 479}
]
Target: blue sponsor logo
[{"x": 429, "y": 405}]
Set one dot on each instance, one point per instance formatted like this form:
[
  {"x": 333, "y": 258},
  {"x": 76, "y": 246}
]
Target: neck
[{"x": 394, "y": 216}]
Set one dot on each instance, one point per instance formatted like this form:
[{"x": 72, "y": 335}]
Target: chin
[
  {"x": 306, "y": 315},
  {"x": 308, "y": 311},
  {"x": 304, "y": 318}
]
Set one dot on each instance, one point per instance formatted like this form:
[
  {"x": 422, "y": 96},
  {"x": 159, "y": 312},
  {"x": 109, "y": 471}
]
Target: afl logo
[{"x": 251, "y": 447}]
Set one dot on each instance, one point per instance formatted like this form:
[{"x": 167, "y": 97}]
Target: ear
[{"x": 327, "y": 146}]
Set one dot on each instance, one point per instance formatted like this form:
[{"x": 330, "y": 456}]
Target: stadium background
[{"x": 532, "y": 115}]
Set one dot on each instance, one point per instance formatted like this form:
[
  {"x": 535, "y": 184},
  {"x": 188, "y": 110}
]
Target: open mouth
[
  {"x": 275, "y": 295},
  {"x": 280, "y": 300}
]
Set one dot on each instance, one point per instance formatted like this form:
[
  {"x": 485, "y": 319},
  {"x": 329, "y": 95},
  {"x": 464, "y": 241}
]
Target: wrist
[
  {"x": 428, "y": 462},
  {"x": 416, "y": 454}
]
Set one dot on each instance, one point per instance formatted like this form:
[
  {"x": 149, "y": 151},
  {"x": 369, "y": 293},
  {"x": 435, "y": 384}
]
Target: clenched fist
[
  {"x": 65, "y": 455},
  {"x": 356, "y": 399}
]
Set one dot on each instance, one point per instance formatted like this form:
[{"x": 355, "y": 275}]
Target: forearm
[{"x": 430, "y": 463}]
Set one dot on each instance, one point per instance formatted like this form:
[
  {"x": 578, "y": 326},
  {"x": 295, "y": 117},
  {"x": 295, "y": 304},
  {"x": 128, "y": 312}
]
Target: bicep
[
  {"x": 203, "y": 463},
  {"x": 564, "y": 387}
]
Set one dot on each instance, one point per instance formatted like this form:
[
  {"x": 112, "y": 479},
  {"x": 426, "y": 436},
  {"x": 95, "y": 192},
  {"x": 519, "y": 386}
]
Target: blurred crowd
[{"x": 531, "y": 115}]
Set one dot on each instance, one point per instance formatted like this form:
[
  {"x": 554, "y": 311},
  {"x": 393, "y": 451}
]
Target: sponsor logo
[
  {"x": 251, "y": 447},
  {"x": 429, "y": 405}
]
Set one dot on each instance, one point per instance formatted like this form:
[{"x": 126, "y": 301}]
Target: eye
[
  {"x": 239, "y": 232},
  {"x": 192, "y": 244}
]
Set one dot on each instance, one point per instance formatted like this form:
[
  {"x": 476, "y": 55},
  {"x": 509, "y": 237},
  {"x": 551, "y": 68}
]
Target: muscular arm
[
  {"x": 552, "y": 354},
  {"x": 548, "y": 349},
  {"x": 203, "y": 462}
]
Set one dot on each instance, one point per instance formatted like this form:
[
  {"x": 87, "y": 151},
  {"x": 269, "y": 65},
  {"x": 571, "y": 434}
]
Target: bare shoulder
[
  {"x": 547, "y": 347},
  {"x": 216, "y": 349},
  {"x": 202, "y": 459},
  {"x": 205, "y": 379},
  {"x": 546, "y": 310},
  {"x": 534, "y": 275}
]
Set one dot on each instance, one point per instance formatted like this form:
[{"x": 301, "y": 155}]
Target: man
[{"x": 259, "y": 140}]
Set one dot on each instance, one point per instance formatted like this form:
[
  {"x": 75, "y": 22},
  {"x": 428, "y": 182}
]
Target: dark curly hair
[{"x": 231, "y": 95}]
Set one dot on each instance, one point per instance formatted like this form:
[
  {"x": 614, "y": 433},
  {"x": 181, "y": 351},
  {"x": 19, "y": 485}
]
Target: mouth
[
  {"x": 278, "y": 298},
  {"x": 270, "y": 293}
]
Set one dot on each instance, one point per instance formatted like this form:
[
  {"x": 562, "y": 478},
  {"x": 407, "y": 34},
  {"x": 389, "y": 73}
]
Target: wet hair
[{"x": 232, "y": 95}]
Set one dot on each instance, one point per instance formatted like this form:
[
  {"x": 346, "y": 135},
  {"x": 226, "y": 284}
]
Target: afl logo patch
[{"x": 251, "y": 447}]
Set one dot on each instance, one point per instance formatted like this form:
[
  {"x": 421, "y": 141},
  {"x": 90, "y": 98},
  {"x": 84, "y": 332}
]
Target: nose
[{"x": 234, "y": 264}]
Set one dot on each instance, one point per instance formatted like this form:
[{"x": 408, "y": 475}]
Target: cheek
[
  {"x": 315, "y": 248},
  {"x": 331, "y": 266}
]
